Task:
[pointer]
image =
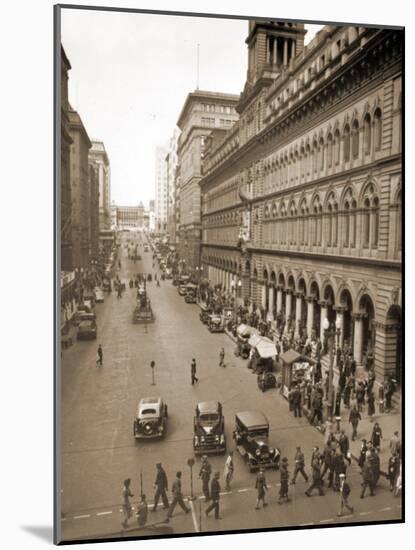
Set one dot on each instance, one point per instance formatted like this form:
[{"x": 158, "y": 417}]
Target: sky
[{"x": 131, "y": 74}]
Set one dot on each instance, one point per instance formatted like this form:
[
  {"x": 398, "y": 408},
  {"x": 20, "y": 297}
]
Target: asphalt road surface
[{"x": 99, "y": 403}]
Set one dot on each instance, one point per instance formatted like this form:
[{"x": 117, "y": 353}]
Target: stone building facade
[
  {"x": 202, "y": 113},
  {"x": 94, "y": 211},
  {"x": 80, "y": 191},
  {"x": 66, "y": 141},
  {"x": 301, "y": 199},
  {"x": 98, "y": 156}
]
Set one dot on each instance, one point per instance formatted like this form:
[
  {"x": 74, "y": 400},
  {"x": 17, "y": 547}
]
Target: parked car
[
  {"x": 216, "y": 323},
  {"x": 87, "y": 329},
  {"x": 99, "y": 295},
  {"x": 251, "y": 436},
  {"x": 151, "y": 418},
  {"x": 204, "y": 315},
  {"x": 182, "y": 290},
  {"x": 106, "y": 284},
  {"x": 266, "y": 380},
  {"x": 209, "y": 428}
]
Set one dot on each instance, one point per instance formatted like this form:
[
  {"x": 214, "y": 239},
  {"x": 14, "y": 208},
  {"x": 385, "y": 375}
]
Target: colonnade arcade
[{"x": 297, "y": 306}]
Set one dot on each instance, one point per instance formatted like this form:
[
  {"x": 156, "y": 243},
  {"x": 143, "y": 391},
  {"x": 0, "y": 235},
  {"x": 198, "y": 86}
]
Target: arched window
[
  {"x": 321, "y": 152},
  {"x": 337, "y": 147},
  {"x": 315, "y": 153},
  {"x": 329, "y": 151},
  {"x": 367, "y": 134},
  {"x": 329, "y": 224},
  {"x": 334, "y": 226},
  {"x": 377, "y": 129},
  {"x": 346, "y": 227},
  {"x": 355, "y": 139},
  {"x": 346, "y": 143},
  {"x": 366, "y": 223},
  {"x": 399, "y": 225},
  {"x": 353, "y": 224},
  {"x": 375, "y": 222}
]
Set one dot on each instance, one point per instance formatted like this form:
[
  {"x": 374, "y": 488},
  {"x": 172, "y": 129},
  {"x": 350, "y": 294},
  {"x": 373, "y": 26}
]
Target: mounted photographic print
[{"x": 228, "y": 274}]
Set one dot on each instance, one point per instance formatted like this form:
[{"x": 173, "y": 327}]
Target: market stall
[{"x": 295, "y": 369}]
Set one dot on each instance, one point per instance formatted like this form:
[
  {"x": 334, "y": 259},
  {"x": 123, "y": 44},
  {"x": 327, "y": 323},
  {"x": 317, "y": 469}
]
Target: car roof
[
  {"x": 208, "y": 406},
  {"x": 150, "y": 401},
  {"x": 251, "y": 419}
]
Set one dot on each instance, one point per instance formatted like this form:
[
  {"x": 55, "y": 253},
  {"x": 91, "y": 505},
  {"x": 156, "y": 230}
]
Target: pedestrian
[
  {"x": 376, "y": 436},
  {"x": 360, "y": 396},
  {"x": 315, "y": 455},
  {"x": 344, "y": 445},
  {"x": 393, "y": 470},
  {"x": 261, "y": 487},
  {"x": 204, "y": 475},
  {"x": 177, "y": 496},
  {"x": 374, "y": 462},
  {"x": 328, "y": 460},
  {"x": 344, "y": 495},
  {"x": 395, "y": 444},
  {"x": 215, "y": 495},
  {"x": 362, "y": 456},
  {"x": 339, "y": 468},
  {"x": 161, "y": 486},
  {"x": 316, "y": 477},
  {"x": 222, "y": 358},
  {"x": 100, "y": 356},
  {"x": 354, "y": 418},
  {"x": 296, "y": 401},
  {"x": 317, "y": 406},
  {"x": 367, "y": 475},
  {"x": 126, "y": 505},
  {"x": 389, "y": 388},
  {"x": 228, "y": 471},
  {"x": 142, "y": 511},
  {"x": 371, "y": 405},
  {"x": 299, "y": 465},
  {"x": 284, "y": 478},
  {"x": 193, "y": 372}
]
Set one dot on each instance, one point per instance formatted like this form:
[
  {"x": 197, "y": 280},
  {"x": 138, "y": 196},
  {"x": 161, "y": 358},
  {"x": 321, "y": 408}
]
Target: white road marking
[
  {"x": 226, "y": 493},
  {"x": 243, "y": 490},
  {"x": 82, "y": 517},
  {"x": 104, "y": 513},
  {"x": 306, "y": 524},
  {"x": 385, "y": 509},
  {"x": 365, "y": 513},
  {"x": 345, "y": 517},
  {"x": 196, "y": 526}
]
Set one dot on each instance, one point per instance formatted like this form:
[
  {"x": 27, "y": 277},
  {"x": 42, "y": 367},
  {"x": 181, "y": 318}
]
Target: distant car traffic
[
  {"x": 87, "y": 329},
  {"x": 99, "y": 295},
  {"x": 151, "y": 418}
]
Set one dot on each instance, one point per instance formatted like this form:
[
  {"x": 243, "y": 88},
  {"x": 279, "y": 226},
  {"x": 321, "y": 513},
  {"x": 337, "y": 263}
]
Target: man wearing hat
[
  {"x": 284, "y": 477},
  {"x": 215, "y": 495},
  {"x": 299, "y": 465},
  {"x": 177, "y": 496},
  {"x": 344, "y": 495},
  {"x": 261, "y": 487},
  {"x": 161, "y": 487},
  {"x": 204, "y": 475}
]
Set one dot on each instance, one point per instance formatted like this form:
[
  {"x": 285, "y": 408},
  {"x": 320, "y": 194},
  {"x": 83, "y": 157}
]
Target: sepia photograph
[{"x": 229, "y": 305}]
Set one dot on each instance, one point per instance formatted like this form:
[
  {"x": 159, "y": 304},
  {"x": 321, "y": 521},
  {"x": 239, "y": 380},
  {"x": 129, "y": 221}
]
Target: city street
[{"x": 99, "y": 451}]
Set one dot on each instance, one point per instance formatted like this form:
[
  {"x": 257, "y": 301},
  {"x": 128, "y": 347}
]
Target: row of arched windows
[{"x": 311, "y": 160}]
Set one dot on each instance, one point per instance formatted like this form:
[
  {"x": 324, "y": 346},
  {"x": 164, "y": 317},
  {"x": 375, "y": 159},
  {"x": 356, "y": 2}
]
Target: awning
[
  {"x": 291, "y": 356},
  {"x": 246, "y": 330},
  {"x": 266, "y": 348},
  {"x": 254, "y": 339}
]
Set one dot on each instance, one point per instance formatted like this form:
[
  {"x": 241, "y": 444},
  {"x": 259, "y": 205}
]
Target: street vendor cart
[{"x": 296, "y": 368}]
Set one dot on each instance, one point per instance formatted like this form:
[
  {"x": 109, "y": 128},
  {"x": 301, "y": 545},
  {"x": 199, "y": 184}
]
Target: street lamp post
[
  {"x": 330, "y": 333},
  {"x": 235, "y": 288}
]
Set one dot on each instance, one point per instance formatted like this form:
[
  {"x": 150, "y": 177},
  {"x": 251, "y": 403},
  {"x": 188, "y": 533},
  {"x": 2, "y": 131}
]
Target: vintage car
[
  {"x": 182, "y": 289},
  {"x": 151, "y": 418},
  {"x": 106, "y": 284},
  {"x": 204, "y": 315},
  {"x": 191, "y": 294},
  {"x": 99, "y": 295},
  {"x": 266, "y": 380},
  {"x": 216, "y": 323},
  {"x": 251, "y": 437},
  {"x": 87, "y": 329},
  {"x": 143, "y": 312},
  {"x": 209, "y": 428}
]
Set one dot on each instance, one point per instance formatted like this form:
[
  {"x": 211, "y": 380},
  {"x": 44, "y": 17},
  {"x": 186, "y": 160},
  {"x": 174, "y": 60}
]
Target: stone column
[
  {"x": 263, "y": 298},
  {"x": 298, "y": 313},
  {"x": 340, "y": 322},
  {"x": 285, "y": 60},
  {"x": 288, "y": 304},
  {"x": 358, "y": 338},
  {"x": 271, "y": 291},
  {"x": 274, "y": 58},
  {"x": 292, "y": 49},
  {"x": 310, "y": 315},
  {"x": 323, "y": 315},
  {"x": 279, "y": 300}
]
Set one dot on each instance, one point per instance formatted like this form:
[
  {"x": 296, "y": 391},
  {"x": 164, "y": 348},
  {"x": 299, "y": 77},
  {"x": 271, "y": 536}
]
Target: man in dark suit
[
  {"x": 161, "y": 487},
  {"x": 215, "y": 496}
]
